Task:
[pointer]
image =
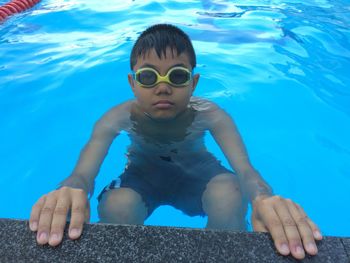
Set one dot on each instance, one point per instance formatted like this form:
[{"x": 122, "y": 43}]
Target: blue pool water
[{"x": 280, "y": 68}]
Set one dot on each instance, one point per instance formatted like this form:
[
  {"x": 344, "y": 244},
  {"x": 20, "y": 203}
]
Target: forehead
[{"x": 164, "y": 61}]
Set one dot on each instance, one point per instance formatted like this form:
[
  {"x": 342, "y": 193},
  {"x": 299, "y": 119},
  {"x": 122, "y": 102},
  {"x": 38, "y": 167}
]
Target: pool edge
[{"x": 135, "y": 243}]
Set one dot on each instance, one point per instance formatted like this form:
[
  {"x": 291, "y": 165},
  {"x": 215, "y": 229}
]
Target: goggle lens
[
  {"x": 179, "y": 76},
  {"x": 149, "y": 77}
]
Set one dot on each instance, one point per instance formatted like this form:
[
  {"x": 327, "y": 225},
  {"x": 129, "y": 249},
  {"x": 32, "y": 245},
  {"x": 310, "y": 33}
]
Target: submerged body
[{"x": 167, "y": 160}]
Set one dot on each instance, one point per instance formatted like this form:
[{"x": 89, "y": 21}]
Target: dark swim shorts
[{"x": 168, "y": 182}]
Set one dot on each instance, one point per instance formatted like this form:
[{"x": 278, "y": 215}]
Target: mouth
[{"x": 163, "y": 104}]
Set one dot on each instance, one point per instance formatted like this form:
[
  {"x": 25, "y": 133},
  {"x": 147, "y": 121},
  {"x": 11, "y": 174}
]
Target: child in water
[{"x": 168, "y": 163}]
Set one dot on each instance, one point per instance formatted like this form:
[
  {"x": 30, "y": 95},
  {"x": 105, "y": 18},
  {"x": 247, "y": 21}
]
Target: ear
[
  {"x": 195, "y": 81},
  {"x": 131, "y": 82}
]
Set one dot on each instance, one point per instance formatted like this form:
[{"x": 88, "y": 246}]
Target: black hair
[{"x": 160, "y": 37}]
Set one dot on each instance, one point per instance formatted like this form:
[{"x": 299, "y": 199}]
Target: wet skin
[{"x": 156, "y": 109}]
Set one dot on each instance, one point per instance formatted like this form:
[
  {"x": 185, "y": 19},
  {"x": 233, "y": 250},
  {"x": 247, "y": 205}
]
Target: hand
[
  {"x": 49, "y": 215},
  {"x": 288, "y": 224}
]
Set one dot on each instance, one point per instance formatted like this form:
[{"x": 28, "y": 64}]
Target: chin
[{"x": 163, "y": 117}]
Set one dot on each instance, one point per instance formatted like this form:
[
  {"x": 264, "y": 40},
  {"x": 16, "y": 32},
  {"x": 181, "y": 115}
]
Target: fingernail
[
  {"x": 300, "y": 250},
  {"x": 311, "y": 248},
  {"x": 54, "y": 237},
  {"x": 74, "y": 232},
  {"x": 284, "y": 249},
  {"x": 43, "y": 237},
  {"x": 317, "y": 235},
  {"x": 33, "y": 226}
]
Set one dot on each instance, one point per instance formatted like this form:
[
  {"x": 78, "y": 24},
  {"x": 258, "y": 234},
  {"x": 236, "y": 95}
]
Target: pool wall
[{"x": 135, "y": 243}]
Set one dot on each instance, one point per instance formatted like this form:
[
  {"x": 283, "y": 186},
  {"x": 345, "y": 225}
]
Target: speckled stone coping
[{"x": 131, "y": 243}]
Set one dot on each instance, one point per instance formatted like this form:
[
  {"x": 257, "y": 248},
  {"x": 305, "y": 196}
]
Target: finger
[
  {"x": 45, "y": 219},
  {"x": 79, "y": 205},
  {"x": 290, "y": 228},
  {"x": 59, "y": 217},
  {"x": 315, "y": 229},
  {"x": 304, "y": 227},
  {"x": 274, "y": 225},
  {"x": 87, "y": 212},
  {"x": 35, "y": 213},
  {"x": 258, "y": 225}
]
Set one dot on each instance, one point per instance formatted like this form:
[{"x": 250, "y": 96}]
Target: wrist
[
  {"x": 79, "y": 182},
  {"x": 260, "y": 197}
]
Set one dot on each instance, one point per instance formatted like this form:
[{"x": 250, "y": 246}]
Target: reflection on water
[{"x": 280, "y": 68}]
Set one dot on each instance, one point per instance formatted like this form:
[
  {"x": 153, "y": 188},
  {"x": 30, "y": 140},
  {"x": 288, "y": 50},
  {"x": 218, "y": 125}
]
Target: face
[{"x": 163, "y": 101}]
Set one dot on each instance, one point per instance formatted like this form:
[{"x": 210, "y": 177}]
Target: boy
[{"x": 168, "y": 162}]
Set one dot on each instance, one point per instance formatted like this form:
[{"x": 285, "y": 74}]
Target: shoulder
[
  {"x": 124, "y": 107},
  {"x": 116, "y": 117},
  {"x": 209, "y": 113},
  {"x": 203, "y": 105}
]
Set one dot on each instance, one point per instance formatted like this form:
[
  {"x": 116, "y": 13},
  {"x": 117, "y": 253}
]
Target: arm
[
  {"x": 94, "y": 152},
  {"x": 286, "y": 221},
  {"x": 49, "y": 214},
  {"x": 226, "y": 135},
  {"x": 92, "y": 156}
]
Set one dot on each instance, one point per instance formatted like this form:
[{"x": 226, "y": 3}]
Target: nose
[{"x": 163, "y": 88}]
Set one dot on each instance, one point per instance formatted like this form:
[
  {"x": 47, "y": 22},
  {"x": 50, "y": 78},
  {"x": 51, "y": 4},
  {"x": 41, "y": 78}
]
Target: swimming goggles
[{"x": 149, "y": 77}]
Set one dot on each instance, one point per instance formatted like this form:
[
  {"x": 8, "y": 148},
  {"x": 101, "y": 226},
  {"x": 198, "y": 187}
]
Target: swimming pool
[{"x": 280, "y": 68}]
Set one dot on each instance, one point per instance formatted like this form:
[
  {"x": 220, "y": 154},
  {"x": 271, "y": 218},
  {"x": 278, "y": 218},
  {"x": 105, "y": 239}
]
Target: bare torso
[{"x": 181, "y": 136}]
